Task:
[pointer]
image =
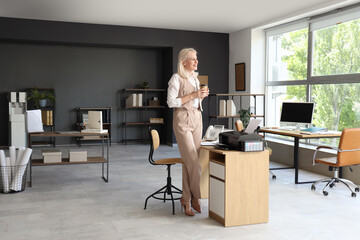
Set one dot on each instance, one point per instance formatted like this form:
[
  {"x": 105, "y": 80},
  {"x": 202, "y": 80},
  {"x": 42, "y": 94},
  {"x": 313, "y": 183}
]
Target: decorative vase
[{"x": 42, "y": 102}]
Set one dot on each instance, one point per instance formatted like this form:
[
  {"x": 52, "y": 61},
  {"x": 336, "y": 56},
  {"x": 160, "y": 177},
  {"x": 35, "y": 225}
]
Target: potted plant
[
  {"x": 40, "y": 97},
  {"x": 145, "y": 85},
  {"x": 244, "y": 116}
]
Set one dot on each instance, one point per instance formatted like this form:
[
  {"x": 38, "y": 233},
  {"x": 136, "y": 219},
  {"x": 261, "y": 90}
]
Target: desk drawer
[
  {"x": 217, "y": 170},
  {"x": 217, "y": 197}
]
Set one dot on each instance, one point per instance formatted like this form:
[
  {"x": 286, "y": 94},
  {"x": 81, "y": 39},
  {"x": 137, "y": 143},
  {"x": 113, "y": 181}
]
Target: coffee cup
[{"x": 203, "y": 86}]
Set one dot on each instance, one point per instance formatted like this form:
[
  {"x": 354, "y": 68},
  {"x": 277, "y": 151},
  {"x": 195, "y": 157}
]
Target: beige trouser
[{"x": 187, "y": 125}]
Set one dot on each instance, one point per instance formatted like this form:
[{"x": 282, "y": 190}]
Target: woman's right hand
[{"x": 200, "y": 93}]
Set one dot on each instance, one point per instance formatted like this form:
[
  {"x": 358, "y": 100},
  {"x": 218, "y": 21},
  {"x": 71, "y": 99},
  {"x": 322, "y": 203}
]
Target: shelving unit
[
  {"x": 106, "y": 118},
  {"x": 144, "y": 112},
  {"x": 240, "y": 96},
  {"x": 65, "y": 161},
  {"x": 48, "y": 115}
]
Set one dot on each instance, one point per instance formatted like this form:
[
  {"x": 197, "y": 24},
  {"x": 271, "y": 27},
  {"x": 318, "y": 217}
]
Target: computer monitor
[{"x": 297, "y": 112}]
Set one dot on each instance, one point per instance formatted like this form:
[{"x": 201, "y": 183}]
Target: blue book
[{"x": 315, "y": 129}]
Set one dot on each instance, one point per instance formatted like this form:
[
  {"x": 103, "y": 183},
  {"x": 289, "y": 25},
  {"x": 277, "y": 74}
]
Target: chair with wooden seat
[
  {"x": 239, "y": 127},
  {"x": 167, "y": 192},
  {"x": 348, "y": 154}
]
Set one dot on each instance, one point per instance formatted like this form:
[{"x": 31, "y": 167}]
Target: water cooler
[{"x": 17, "y": 110}]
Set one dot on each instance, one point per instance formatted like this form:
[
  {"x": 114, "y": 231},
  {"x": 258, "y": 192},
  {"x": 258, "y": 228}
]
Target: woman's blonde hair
[{"x": 183, "y": 56}]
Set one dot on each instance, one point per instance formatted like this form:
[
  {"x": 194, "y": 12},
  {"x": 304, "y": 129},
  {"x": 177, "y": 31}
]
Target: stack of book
[
  {"x": 47, "y": 117},
  {"x": 134, "y": 100},
  {"x": 227, "y": 108}
]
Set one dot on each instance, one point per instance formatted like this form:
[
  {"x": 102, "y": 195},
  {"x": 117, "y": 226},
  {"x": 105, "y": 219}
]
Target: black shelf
[
  {"x": 141, "y": 114},
  {"x": 240, "y": 96}
]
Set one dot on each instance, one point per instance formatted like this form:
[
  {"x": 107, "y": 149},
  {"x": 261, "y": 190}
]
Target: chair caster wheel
[
  {"x": 325, "y": 193},
  {"x": 356, "y": 189},
  {"x": 353, "y": 194},
  {"x": 313, "y": 187},
  {"x": 274, "y": 177},
  {"x": 331, "y": 185}
]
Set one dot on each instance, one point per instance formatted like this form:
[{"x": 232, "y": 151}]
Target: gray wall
[{"x": 89, "y": 64}]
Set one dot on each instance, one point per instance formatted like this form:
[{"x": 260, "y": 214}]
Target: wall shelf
[
  {"x": 240, "y": 99},
  {"x": 139, "y": 116}
]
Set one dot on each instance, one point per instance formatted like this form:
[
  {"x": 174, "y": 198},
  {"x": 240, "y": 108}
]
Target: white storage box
[
  {"x": 51, "y": 155},
  {"x": 77, "y": 155}
]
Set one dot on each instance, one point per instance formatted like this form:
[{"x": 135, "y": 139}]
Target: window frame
[{"x": 310, "y": 80}]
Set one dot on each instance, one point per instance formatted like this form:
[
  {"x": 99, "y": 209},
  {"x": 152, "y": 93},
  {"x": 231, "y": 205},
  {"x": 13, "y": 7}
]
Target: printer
[{"x": 241, "y": 141}]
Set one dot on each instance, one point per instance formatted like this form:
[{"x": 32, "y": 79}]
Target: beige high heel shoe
[
  {"x": 186, "y": 206},
  {"x": 195, "y": 203}
]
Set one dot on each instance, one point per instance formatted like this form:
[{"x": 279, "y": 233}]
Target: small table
[
  {"x": 65, "y": 161},
  {"x": 297, "y": 135}
]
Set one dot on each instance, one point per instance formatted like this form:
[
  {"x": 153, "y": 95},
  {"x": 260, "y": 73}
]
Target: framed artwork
[{"x": 240, "y": 76}]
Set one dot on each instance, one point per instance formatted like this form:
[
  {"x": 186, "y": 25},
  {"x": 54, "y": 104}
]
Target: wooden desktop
[{"x": 297, "y": 135}]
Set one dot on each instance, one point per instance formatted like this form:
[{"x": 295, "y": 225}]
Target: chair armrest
[
  {"x": 318, "y": 149},
  {"x": 328, "y": 147}
]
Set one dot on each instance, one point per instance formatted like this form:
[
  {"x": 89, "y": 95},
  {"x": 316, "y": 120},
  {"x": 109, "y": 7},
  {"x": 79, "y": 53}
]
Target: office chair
[
  {"x": 348, "y": 154},
  {"x": 239, "y": 127},
  {"x": 168, "y": 188}
]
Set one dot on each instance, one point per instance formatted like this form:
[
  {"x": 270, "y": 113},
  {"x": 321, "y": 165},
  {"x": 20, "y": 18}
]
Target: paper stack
[{"x": 12, "y": 169}]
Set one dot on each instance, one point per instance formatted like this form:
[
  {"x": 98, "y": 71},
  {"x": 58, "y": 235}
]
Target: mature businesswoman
[{"x": 185, "y": 95}]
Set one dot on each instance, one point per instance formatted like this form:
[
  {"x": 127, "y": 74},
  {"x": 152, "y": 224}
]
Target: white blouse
[{"x": 173, "y": 91}]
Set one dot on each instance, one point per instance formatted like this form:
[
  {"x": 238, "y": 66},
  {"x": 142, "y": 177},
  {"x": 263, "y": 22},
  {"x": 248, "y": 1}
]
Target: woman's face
[{"x": 191, "y": 62}]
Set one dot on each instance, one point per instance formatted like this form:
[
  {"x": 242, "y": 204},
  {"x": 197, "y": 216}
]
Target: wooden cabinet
[
  {"x": 255, "y": 101},
  {"x": 106, "y": 119},
  {"x": 238, "y": 187},
  {"x": 142, "y": 112}
]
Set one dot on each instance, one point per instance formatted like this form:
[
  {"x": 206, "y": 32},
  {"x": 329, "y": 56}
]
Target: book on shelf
[
  {"x": 230, "y": 108},
  {"x": 47, "y": 117},
  {"x": 156, "y": 120},
  {"x": 131, "y": 100},
  {"x": 222, "y": 108},
  {"x": 94, "y": 131},
  {"x": 315, "y": 129},
  {"x": 139, "y": 98}
]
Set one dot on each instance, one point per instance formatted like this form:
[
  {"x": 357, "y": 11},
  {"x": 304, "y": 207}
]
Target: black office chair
[{"x": 168, "y": 188}]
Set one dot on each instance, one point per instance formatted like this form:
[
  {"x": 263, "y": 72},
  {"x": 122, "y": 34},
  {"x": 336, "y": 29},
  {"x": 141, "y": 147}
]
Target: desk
[
  {"x": 297, "y": 135},
  {"x": 65, "y": 161}
]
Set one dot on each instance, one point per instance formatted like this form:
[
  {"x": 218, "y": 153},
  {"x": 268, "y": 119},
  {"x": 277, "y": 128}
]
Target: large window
[
  {"x": 336, "y": 49},
  {"x": 318, "y": 63}
]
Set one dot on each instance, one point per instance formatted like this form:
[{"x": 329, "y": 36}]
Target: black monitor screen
[{"x": 297, "y": 112}]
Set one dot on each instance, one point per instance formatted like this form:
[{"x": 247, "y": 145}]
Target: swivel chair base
[
  {"x": 168, "y": 189},
  {"x": 272, "y": 174},
  {"x": 331, "y": 182}
]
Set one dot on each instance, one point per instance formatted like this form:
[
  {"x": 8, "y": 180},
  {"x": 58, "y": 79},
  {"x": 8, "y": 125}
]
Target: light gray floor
[{"x": 73, "y": 202}]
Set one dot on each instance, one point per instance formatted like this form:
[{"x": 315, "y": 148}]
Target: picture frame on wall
[{"x": 240, "y": 76}]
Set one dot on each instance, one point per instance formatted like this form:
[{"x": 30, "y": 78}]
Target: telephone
[{"x": 212, "y": 133}]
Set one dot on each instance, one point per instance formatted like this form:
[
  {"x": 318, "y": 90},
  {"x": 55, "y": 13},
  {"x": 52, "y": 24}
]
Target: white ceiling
[{"x": 224, "y": 16}]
